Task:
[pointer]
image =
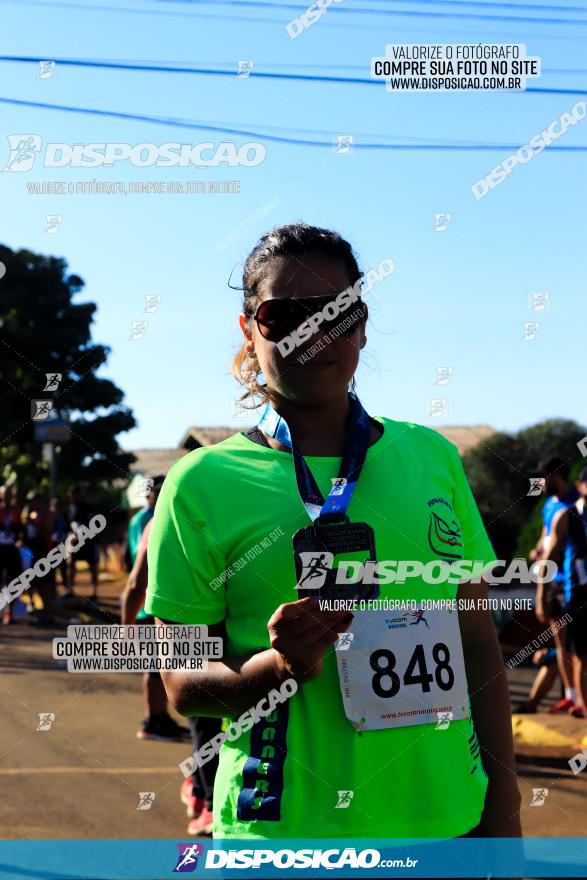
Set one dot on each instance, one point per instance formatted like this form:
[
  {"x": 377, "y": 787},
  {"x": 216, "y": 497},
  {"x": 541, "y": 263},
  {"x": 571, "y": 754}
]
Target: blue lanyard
[{"x": 356, "y": 443}]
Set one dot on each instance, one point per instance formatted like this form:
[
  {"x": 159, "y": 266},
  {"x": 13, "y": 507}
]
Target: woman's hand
[{"x": 300, "y": 634}]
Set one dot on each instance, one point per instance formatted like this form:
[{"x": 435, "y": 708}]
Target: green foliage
[
  {"x": 499, "y": 470},
  {"x": 43, "y": 331},
  {"x": 530, "y": 532}
]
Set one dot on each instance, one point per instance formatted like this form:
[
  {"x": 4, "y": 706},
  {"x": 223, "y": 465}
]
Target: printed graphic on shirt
[{"x": 444, "y": 531}]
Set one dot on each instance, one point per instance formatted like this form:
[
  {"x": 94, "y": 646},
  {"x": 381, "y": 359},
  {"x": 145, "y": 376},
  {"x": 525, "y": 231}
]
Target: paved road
[
  {"x": 546, "y": 766},
  {"x": 82, "y": 778}
]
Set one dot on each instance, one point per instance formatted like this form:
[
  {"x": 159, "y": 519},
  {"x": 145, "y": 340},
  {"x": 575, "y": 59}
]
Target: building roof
[
  {"x": 465, "y": 437},
  {"x": 196, "y": 437},
  {"x": 152, "y": 462}
]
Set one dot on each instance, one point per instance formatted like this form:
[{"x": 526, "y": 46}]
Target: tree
[
  {"x": 42, "y": 331},
  {"x": 499, "y": 471}
]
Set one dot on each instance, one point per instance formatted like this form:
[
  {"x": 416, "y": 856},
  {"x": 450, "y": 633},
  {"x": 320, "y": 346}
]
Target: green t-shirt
[
  {"x": 136, "y": 528},
  {"x": 217, "y": 509}
]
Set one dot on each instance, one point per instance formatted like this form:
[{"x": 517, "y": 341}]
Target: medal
[{"x": 315, "y": 550}]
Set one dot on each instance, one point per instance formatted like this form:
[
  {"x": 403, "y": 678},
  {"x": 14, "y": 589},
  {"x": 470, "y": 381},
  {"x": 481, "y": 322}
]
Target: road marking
[{"x": 17, "y": 771}]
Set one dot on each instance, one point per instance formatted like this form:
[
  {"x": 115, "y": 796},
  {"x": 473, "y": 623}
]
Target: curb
[{"x": 543, "y": 734}]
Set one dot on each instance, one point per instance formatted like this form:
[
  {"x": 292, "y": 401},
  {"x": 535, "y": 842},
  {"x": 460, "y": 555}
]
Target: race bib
[{"x": 402, "y": 668}]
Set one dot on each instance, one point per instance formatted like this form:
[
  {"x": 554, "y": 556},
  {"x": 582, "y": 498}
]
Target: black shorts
[
  {"x": 89, "y": 553},
  {"x": 10, "y": 563},
  {"x": 576, "y": 640}
]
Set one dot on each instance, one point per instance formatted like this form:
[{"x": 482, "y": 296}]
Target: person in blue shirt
[
  {"x": 568, "y": 544},
  {"x": 549, "y": 600}
]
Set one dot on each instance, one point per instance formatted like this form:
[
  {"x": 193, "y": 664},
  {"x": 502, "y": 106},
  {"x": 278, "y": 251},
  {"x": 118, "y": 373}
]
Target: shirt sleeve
[
  {"x": 183, "y": 562},
  {"x": 131, "y": 539},
  {"x": 476, "y": 543}
]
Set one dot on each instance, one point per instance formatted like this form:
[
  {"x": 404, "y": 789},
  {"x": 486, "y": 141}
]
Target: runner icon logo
[
  {"x": 537, "y": 485},
  {"x": 46, "y": 69},
  {"x": 46, "y": 719},
  {"x": 539, "y": 795},
  {"x": 444, "y": 719},
  {"x": 41, "y": 410},
  {"x": 338, "y": 485},
  {"x": 187, "y": 860},
  {"x": 344, "y": 641},
  {"x": 23, "y": 151},
  {"x": 315, "y": 567},
  {"x": 53, "y": 380},
  {"x": 344, "y": 799},
  {"x": 146, "y": 799}
]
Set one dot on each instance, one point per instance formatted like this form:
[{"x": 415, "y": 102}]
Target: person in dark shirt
[
  {"x": 80, "y": 514},
  {"x": 36, "y": 543},
  {"x": 10, "y": 526},
  {"x": 59, "y": 533}
]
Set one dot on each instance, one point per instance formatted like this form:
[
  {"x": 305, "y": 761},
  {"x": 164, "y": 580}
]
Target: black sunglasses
[{"x": 277, "y": 318}]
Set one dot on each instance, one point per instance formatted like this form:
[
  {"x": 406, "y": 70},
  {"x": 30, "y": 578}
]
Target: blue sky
[{"x": 457, "y": 299}]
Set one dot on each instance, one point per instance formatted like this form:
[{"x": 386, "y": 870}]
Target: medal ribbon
[{"x": 356, "y": 443}]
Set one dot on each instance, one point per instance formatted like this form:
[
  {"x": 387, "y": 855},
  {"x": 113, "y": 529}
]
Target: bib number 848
[{"x": 383, "y": 663}]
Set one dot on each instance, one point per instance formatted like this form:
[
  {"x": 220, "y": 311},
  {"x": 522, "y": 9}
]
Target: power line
[
  {"x": 281, "y": 64},
  {"x": 284, "y": 139},
  {"x": 355, "y": 26},
  {"x": 347, "y": 10},
  {"x": 519, "y": 6},
  {"x": 108, "y": 65},
  {"x": 161, "y": 63},
  {"x": 296, "y": 77},
  {"x": 270, "y": 6},
  {"x": 92, "y": 7}
]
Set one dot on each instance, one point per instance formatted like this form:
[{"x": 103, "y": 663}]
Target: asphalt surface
[
  {"x": 544, "y": 745},
  {"x": 83, "y": 777}
]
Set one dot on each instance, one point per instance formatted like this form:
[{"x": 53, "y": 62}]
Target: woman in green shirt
[{"x": 388, "y": 723}]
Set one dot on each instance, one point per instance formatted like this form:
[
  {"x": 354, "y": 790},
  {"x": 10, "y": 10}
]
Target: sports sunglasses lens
[{"x": 275, "y": 319}]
